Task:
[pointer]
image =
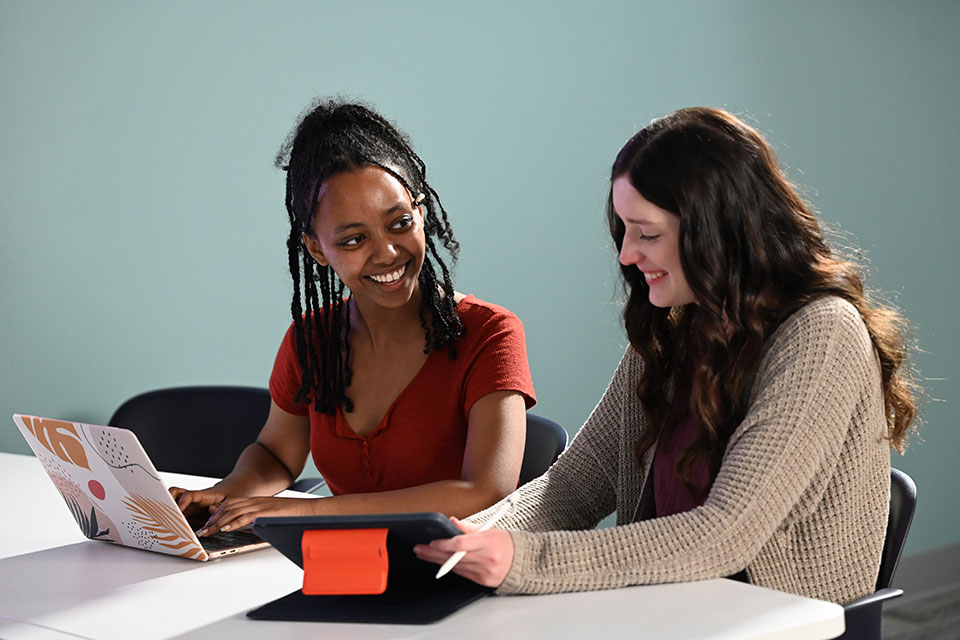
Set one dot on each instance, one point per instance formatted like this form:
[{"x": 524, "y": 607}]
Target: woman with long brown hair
[{"x": 746, "y": 432}]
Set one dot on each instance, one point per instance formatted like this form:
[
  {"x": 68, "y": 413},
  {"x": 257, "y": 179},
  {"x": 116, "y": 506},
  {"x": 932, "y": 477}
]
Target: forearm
[
  {"x": 648, "y": 552},
  {"x": 573, "y": 494},
  {"x": 257, "y": 473},
  {"x": 457, "y": 498},
  {"x": 579, "y": 489}
]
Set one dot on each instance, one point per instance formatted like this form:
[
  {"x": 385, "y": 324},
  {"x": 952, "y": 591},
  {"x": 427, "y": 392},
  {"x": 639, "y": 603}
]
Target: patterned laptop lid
[{"x": 110, "y": 486}]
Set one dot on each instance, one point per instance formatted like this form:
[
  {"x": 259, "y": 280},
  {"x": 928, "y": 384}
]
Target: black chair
[
  {"x": 863, "y": 616},
  {"x": 546, "y": 440},
  {"x": 198, "y": 430}
]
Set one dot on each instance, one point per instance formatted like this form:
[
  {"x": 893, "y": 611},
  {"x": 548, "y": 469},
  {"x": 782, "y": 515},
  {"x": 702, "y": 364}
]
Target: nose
[
  {"x": 385, "y": 251},
  {"x": 630, "y": 254}
]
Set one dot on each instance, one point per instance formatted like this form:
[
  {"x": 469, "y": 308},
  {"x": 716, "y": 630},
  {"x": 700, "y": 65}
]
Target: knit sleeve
[
  {"x": 578, "y": 490},
  {"x": 819, "y": 364}
]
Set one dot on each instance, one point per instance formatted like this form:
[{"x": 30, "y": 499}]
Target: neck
[{"x": 386, "y": 327}]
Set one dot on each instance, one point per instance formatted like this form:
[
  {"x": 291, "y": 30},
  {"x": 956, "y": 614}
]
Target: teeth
[
  {"x": 654, "y": 275},
  {"x": 390, "y": 278}
]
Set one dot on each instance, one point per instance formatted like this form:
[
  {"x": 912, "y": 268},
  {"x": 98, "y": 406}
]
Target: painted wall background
[{"x": 141, "y": 219}]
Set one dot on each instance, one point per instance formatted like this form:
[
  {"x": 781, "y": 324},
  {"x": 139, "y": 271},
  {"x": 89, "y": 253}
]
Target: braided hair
[{"x": 333, "y": 137}]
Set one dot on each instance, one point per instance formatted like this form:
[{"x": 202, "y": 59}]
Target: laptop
[{"x": 116, "y": 494}]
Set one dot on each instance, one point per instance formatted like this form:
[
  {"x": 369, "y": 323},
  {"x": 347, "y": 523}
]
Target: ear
[{"x": 314, "y": 249}]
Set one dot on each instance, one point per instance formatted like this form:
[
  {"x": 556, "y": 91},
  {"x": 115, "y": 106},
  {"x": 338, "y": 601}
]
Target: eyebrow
[{"x": 353, "y": 225}]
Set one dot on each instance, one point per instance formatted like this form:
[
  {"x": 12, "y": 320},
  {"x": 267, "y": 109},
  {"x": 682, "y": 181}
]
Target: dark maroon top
[{"x": 670, "y": 493}]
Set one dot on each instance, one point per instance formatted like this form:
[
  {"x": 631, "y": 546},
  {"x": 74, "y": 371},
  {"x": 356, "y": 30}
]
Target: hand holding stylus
[{"x": 491, "y": 552}]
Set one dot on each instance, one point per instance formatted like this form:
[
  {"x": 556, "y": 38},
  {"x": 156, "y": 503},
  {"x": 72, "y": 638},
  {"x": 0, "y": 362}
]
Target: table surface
[{"x": 56, "y": 584}]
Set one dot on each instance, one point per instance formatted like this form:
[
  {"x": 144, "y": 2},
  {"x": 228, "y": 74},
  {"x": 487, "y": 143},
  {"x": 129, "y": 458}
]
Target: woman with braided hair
[
  {"x": 747, "y": 430},
  {"x": 409, "y": 395}
]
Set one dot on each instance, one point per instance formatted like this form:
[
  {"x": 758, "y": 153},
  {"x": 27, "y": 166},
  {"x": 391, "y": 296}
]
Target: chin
[{"x": 658, "y": 302}]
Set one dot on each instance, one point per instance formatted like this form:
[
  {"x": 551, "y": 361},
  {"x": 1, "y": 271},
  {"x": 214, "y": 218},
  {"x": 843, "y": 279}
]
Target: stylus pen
[{"x": 458, "y": 556}]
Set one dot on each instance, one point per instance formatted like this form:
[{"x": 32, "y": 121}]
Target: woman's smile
[{"x": 391, "y": 277}]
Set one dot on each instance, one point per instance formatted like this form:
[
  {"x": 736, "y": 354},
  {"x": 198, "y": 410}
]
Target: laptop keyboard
[{"x": 227, "y": 539}]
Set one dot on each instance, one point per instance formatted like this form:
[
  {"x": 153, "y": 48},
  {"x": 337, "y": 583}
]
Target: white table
[{"x": 55, "y": 584}]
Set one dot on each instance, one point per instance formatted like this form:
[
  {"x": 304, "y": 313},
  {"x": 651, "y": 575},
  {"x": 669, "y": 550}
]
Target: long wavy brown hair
[{"x": 753, "y": 253}]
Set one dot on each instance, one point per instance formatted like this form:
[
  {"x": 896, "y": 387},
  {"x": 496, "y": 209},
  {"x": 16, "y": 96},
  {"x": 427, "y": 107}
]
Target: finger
[
  {"x": 237, "y": 514},
  {"x": 447, "y": 545},
  {"x": 210, "y": 527},
  {"x": 213, "y": 523},
  {"x": 185, "y": 499},
  {"x": 240, "y": 521},
  {"x": 428, "y": 554},
  {"x": 465, "y": 542},
  {"x": 466, "y": 527},
  {"x": 196, "y": 498}
]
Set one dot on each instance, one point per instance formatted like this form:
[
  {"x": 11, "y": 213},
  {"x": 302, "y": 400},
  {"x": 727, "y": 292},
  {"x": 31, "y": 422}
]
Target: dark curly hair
[
  {"x": 335, "y": 136},
  {"x": 753, "y": 253}
]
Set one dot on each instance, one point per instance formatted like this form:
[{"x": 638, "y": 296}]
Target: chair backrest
[
  {"x": 196, "y": 430},
  {"x": 546, "y": 440},
  {"x": 903, "y": 502}
]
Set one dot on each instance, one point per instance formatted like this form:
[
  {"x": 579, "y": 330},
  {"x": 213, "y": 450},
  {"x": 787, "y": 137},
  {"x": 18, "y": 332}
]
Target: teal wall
[{"x": 141, "y": 218}]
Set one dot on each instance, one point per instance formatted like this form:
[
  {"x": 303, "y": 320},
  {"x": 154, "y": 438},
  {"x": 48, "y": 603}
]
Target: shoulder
[
  {"x": 828, "y": 317},
  {"x": 489, "y": 331},
  {"x": 825, "y": 330},
  {"x": 475, "y": 312},
  {"x": 630, "y": 367}
]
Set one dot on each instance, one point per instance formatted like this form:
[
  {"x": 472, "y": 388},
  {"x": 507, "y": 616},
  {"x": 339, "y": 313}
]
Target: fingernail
[
  {"x": 201, "y": 532},
  {"x": 225, "y": 527}
]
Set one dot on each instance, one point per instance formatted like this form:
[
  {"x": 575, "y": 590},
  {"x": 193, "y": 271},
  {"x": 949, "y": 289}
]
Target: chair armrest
[
  {"x": 873, "y": 599},
  {"x": 862, "y": 617}
]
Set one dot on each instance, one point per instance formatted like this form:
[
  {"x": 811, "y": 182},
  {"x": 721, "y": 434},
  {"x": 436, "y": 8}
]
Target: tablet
[{"x": 412, "y": 595}]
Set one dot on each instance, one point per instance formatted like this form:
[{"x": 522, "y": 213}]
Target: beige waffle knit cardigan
[{"x": 800, "y": 500}]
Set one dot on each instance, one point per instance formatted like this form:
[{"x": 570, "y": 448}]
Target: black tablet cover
[{"x": 413, "y": 595}]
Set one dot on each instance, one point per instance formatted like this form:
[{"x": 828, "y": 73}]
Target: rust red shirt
[{"x": 422, "y": 436}]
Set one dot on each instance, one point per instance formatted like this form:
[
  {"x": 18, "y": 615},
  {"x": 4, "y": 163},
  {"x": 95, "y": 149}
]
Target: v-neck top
[
  {"x": 422, "y": 436},
  {"x": 671, "y": 494}
]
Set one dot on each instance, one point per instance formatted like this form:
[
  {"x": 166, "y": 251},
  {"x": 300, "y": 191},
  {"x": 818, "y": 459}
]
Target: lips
[{"x": 390, "y": 277}]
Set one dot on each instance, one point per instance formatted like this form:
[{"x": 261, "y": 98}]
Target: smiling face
[
  {"x": 652, "y": 244},
  {"x": 368, "y": 230}
]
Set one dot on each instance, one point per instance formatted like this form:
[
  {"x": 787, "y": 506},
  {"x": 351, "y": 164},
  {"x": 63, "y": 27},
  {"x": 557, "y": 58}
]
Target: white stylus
[{"x": 458, "y": 556}]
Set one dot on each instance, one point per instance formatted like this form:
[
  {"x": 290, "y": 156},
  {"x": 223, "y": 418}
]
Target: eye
[
  {"x": 649, "y": 238},
  {"x": 402, "y": 223},
  {"x": 351, "y": 241}
]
